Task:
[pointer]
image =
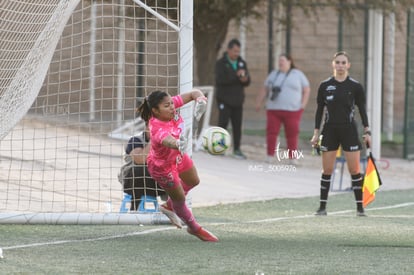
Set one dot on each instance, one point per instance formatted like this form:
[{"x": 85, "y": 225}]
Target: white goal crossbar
[{"x": 84, "y": 218}]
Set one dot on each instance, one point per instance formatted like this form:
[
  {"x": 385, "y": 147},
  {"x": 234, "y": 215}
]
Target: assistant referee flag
[{"x": 372, "y": 181}]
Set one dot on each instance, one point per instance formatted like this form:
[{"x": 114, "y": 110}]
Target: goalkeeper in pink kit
[{"x": 167, "y": 161}]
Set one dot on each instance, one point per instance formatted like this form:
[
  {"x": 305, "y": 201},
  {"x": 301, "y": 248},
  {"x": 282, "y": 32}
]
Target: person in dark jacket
[{"x": 232, "y": 76}]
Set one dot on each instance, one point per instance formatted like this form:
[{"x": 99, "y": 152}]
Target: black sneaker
[
  {"x": 361, "y": 213},
  {"x": 239, "y": 155},
  {"x": 321, "y": 212}
]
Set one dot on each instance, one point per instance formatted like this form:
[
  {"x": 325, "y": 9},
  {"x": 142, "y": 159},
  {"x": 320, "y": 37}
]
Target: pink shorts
[{"x": 170, "y": 178}]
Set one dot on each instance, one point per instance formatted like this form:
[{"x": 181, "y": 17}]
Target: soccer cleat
[
  {"x": 239, "y": 155},
  {"x": 321, "y": 212},
  {"x": 361, "y": 213},
  {"x": 174, "y": 219},
  {"x": 203, "y": 235}
]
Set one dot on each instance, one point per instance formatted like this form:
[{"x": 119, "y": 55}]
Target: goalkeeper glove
[
  {"x": 182, "y": 143},
  {"x": 200, "y": 107}
]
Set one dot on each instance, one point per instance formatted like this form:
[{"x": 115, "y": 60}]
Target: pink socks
[{"x": 182, "y": 211}]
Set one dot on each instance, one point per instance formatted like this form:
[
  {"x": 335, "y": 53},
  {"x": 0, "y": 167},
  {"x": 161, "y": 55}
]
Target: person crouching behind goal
[
  {"x": 339, "y": 94},
  {"x": 168, "y": 163},
  {"x": 134, "y": 176}
]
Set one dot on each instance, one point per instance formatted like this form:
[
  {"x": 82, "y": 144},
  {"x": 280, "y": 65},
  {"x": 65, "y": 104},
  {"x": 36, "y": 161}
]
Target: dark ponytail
[
  {"x": 150, "y": 101},
  {"x": 144, "y": 110}
]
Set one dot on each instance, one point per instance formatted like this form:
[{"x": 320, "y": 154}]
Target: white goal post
[{"x": 71, "y": 72}]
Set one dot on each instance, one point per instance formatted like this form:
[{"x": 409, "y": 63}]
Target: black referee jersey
[{"x": 340, "y": 99}]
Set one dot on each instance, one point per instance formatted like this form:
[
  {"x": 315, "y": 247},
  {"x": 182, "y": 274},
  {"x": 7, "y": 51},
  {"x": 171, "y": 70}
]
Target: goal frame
[{"x": 185, "y": 74}]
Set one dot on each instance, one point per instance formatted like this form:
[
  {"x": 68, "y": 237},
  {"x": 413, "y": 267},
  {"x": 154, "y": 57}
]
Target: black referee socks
[
  {"x": 357, "y": 181},
  {"x": 325, "y": 185}
]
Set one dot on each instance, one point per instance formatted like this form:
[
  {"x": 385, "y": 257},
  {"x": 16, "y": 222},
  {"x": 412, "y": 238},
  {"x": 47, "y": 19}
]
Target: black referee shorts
[{"x": 345, "y": 135}]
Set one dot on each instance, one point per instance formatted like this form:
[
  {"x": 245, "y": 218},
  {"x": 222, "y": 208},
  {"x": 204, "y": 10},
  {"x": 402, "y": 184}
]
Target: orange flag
[{"x": 372, "y": 181}]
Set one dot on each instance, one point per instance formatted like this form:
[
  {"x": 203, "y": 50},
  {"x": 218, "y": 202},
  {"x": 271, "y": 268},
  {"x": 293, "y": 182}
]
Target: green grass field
[{"x": 270, "y": 237}]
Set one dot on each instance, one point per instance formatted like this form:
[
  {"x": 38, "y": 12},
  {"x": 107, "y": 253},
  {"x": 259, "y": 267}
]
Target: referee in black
[{"x": 338, "y": 96}]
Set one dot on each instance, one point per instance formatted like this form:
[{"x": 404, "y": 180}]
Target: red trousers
[{"x": 291, "y": 124}]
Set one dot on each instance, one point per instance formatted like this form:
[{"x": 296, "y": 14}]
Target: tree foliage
[
  {"x": 212, "y": 18},
  {"x": 211, "y": 21}
]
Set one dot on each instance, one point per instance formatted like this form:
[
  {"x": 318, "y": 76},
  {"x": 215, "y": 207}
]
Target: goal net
[{"x": 71, "y": 73}]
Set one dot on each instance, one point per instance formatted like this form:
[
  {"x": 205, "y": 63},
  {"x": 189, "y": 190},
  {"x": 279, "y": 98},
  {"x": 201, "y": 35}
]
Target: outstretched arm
[
  {"x": 191, "y": 95},
  {"x": 179, "y": 144},
  {"x": 170, "y": 142},
  {"x": 201, "y": 102}
]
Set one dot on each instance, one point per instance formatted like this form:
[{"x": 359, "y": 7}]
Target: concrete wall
[{"x": 314, "y": 40}]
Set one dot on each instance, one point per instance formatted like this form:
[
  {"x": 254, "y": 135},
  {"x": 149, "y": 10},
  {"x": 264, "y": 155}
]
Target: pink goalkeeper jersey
[{"x": 160, "y": 155}]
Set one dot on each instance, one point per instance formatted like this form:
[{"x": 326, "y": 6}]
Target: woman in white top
[{"x": 286, "y": 94}]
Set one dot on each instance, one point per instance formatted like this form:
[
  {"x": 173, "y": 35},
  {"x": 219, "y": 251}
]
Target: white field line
[
  {"x": 145, "y": 232},
  {"x": 334, "y": 213},
  {"x": 92, "y": 239},
  {"x": 384, "y": 216}
]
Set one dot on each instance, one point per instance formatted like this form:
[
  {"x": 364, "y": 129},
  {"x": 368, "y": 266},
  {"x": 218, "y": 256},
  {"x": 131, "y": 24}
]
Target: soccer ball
[{"x": 216, "y": 140}]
